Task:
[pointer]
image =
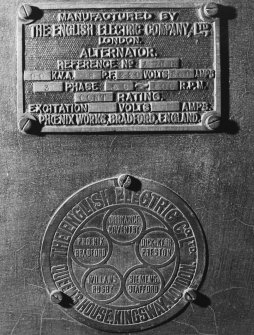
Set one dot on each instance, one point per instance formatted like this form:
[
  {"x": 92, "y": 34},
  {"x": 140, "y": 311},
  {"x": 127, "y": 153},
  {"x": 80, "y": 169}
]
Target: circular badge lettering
[
  {"x": 103, "y": 284},
  {"x": 123, "y": 258},
  {"x": 91, "y": 247},
  {"x": 143, "y": 284}
]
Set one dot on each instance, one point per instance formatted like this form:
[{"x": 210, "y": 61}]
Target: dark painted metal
[{"x": 212, "y": 172}]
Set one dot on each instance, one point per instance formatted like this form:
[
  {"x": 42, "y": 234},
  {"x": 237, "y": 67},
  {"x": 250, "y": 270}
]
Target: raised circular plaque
[{"x": 123, "y": 259}]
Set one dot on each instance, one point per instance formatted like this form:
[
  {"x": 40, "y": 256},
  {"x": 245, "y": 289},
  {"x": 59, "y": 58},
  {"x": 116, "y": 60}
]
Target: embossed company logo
[{"x": 125, "y": 259}]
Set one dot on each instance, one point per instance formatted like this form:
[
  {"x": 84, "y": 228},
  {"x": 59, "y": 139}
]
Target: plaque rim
[
  {"x": 71, "y": 201},
  {"x": 169, "y": 128}
]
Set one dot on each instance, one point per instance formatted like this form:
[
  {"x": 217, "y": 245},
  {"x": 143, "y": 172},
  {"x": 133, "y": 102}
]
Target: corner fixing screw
[
  {"x": 125, "y": 181},
  {"x": 210, "y": 10},
  {"x": 26, "y": 125},
  {"x": 213, "y": 122},
  {"x": 25, "y": 12},
  {"x": 190, "y": 295},
  {"x": 56, "y": 297}
]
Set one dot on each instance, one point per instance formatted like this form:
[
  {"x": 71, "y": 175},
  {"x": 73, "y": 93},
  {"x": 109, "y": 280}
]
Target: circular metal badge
[{"x": 123, "y": 258}]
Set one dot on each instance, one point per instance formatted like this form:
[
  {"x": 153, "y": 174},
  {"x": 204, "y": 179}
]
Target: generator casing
[{"x": 212, "y": 172}]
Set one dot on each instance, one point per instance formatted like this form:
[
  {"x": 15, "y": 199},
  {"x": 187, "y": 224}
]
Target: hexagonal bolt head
[
  {"x": 56, "y": 297},
  {"x": 210, "y": 10},
  {"x": 213, "y": 122},
  {"x": 25, "y": 12},
  {"x": 125, "y": 181},
  {"x": 190, "y": 295}
]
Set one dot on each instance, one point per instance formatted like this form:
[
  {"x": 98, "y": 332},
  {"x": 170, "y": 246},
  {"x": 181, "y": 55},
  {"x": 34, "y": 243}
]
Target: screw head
[
  {"x": 211, "y": 10},
  {"x": 26, "y": 125},
  {"x": 125, "y": 181},
  {"x": 213, "y": 122},
  {"x": 25, "y": 12},
  {"x": 190, "y": 295},
  {"x": 56, "y": 297}
]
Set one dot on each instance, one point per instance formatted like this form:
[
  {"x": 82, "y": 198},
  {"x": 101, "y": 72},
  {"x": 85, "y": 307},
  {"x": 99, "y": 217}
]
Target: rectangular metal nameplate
[{"x": 109, "y": 66}]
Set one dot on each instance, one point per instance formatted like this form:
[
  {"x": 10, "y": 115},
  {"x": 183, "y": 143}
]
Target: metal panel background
[{"x": 212, "y": 172}]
